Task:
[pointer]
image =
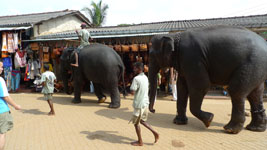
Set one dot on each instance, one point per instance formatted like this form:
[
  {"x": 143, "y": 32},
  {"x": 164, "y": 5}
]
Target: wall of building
[{"x": 56, "y": 25}]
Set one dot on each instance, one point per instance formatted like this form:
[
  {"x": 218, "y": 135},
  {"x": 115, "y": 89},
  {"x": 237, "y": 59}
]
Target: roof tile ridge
[{"x": 50, "y": 12}]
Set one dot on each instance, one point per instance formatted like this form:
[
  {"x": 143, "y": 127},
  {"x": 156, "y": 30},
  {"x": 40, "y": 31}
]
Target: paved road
[{"x": 93, "y": 126}]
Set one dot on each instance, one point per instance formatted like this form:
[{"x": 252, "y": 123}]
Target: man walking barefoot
[{"x": 139, "y": 88}]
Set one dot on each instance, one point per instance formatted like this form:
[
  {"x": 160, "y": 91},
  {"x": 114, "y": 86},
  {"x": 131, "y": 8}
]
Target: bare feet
[
  {"x": 137, "y": 143},
  {"x": 156, "y": 137},
  {"x": 74, "y": 65},
  {"x": 51, "y": 113}
]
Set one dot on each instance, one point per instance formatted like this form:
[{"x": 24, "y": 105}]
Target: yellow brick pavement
[{"x": 92, "y": 126}]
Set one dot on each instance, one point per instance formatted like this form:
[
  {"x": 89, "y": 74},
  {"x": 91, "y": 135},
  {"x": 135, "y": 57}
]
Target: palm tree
[{"x": 97, "y": 13}]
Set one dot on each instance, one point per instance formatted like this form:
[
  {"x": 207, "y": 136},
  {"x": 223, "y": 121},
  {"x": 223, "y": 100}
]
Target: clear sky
[{"x": 143, "y": 11}]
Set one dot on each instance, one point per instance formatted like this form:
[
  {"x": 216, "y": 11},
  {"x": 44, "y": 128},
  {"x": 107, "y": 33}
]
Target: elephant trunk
[
  {"x": 152, "y": 76},
  {"x": 64, "y": 74}
]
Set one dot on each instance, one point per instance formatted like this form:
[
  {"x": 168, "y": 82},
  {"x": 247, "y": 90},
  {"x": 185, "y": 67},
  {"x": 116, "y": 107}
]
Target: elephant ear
[{"x": 167, "y": 47}]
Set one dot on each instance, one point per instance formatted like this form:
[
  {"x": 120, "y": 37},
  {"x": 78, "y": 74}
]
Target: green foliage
[{"x": 97, "y": 13}]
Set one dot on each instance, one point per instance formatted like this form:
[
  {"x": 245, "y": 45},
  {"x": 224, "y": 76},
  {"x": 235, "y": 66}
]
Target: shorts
[
  {"x": 48, "y": 96},
  {"x": 6, "y": 122},
  {"x": 143, "y": 115}
]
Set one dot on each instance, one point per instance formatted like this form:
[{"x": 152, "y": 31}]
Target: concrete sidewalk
[{"x": 93, "y": 126}]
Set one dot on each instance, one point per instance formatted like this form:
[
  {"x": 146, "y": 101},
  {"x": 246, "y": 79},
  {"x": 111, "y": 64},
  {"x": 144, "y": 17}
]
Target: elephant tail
[{"x": 122, "y": 76}]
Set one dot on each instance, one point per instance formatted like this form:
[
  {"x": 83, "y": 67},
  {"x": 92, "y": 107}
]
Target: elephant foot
[
  {"x": 207, "y": 119},
  {"x": 256, "y": 128},
  {"x": 180, "y": 120},
  {"x": 233, "y": 128},
  {"x": 114, "y": 105},
  {"x": 102, "y": 100},
  {"x": 76, "y": 101},
  {"x": 258, "y": 123}
]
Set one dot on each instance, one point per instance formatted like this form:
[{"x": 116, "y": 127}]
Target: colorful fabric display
[
  {"x": 4, "y": 43},
  {"x": 15, "y": 79},
  {"x": 7, "y": 76},
  {"x": 16, "y": 41},
  {"x": 10, "y": 43},
  {"x": 7, "y": 62},
  {"x": 20, "y": 59}
]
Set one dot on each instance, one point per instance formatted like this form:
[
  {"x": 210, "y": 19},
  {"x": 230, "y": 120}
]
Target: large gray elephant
[
  {"x": 99, "y": 64},
  {"x": 217, "y": 55}
]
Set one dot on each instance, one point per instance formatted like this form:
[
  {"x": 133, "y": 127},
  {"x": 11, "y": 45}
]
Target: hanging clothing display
[
  {"x": 4, "y": 45},
  {"x": 7, "y": 76},
  {"x": 15, "y": 80},
  {"x": 20, "y": 59},
  {"x": 10, "y": 43},
  {"x": 33, "y": 68},
  {"x": 16, "y": 41}
]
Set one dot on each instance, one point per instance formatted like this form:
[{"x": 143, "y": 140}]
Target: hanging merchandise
[
  {"x": 7, "y": 76},
  {"x": 45, "y": 49},
  {"x": 34, "y": 46},
  {"x": 143, "y": 47},
  {"x": 20, "y": 59},
  {"x": 117, "y": 47},
  {"x": 16, "y": 41},
  {"x": 46, "y": 57},
  {"x": 4, "y": 45},
  {"x": 33, "y": 68},
  {"x": 125, "y": 48},
  {"x": 10, "y": 43},
  {"x": 15, "y": 80},
  {"x": 27, "y": 73},
  {"x": 7, "y": 62},
  {"x": 134, "y": 47}
]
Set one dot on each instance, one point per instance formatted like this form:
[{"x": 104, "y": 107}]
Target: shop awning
[
  {"x": 14, "y": 28},
  {"x": 93, "y": 36}
]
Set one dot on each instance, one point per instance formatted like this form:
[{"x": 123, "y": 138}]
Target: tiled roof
[
  {"x": 256, "y": 21},
  {"x": 29, "y": 19}
]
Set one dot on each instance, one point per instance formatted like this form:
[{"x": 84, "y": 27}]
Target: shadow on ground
[
  {"x": 161, "y": 120},
  {"x": 33, "y": 111},
  {"x": 67, "y": 101},
  {"x": 109, "y": 136}
]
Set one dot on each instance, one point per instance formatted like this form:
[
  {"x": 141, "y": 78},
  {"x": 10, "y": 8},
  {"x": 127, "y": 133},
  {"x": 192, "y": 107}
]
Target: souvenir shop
[
  {"x": 21, "y": 63},
  {"x": 131, "y": 50}
]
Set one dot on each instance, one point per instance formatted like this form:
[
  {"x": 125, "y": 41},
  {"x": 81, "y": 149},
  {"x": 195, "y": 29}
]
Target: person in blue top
[{"x": 6, "y": 120}]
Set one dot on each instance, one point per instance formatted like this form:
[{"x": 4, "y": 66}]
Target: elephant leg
[
  {"x": 115, "y": 97},
  {"x": 238, "y": 114},
  {"x": 181, "y": 102},
  {"x": 196, "y": 99},
  {"x": 243, "y": 81},
  {"x": 246, "y": 82},
  {"x": 198, "y": 86},
  {"x": 258, "y": 121},
  {"x": 99, "y": 94},
  {"x": 78, "y": 82}
]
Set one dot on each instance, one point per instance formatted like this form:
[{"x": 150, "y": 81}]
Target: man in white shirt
[
  {"x": 84, "y": 36},
  {"x": 139, "y": 88}
]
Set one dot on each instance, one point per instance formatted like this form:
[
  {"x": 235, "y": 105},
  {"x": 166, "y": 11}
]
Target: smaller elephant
[
  {"x": 97, "y": 63},
  {"x": 218, "y": 55}
]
